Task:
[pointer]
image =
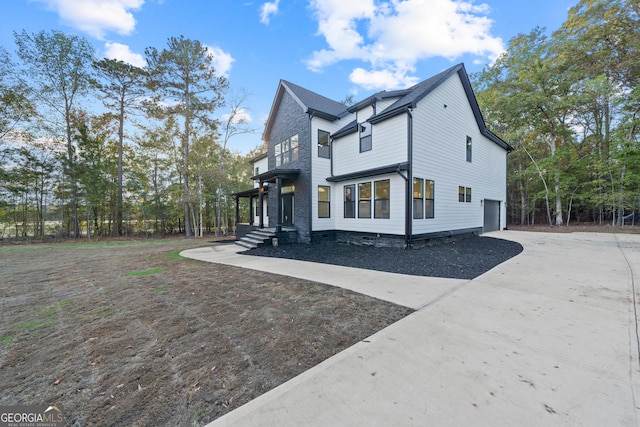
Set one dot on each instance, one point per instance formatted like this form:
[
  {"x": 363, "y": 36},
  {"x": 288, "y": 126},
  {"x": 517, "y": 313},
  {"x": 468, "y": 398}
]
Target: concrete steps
[{"x": 256, "y": 238}]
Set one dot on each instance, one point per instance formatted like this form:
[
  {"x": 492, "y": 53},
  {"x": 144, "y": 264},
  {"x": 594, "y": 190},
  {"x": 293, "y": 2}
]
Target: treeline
[
  {"x": 94, "y": 146},
  {"x": 568, "y": 103}
]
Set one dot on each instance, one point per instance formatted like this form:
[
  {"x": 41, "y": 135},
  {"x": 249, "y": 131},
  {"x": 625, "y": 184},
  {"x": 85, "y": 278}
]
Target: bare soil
[{"x": 129, "y": 333}]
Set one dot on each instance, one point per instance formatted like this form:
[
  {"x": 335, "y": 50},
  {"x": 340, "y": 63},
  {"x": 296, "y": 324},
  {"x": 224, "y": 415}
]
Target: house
[{"x": 397, "y": 166}]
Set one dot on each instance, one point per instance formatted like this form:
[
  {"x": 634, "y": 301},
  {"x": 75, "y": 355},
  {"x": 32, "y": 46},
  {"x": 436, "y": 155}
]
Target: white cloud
[
  {"x": 222, "y": 61},
  {"x": 392, "y": 36},
  {"x": 376, "y": 79},
  {"x": 239, "y": 116},
  {"x": 268, "y": 9},
  {"x": 96, "y": 17},
  {"x": 123, "y": 53}
]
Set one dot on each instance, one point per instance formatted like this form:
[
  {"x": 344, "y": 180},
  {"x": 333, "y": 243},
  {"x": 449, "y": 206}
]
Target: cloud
[
  {"x": 222, "y": 61},
  {"x": 268, "y": 9},
  {"x": 123, "y": 53},
  {"x": 97, "y": 17},
  {"x": 239, "y": 116},
  {"x": 377, "y": 79},
  {"x": 392, "y": 36}
]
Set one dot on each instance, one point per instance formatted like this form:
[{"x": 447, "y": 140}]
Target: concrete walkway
[{"x": 547, "y": 338}]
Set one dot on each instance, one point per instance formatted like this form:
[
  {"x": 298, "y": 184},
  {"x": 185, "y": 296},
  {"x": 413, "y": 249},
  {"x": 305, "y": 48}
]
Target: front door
[{"x": 287, "y": 209}]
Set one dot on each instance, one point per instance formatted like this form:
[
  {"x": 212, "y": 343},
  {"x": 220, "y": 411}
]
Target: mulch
[{"x": 462, "y": 257}]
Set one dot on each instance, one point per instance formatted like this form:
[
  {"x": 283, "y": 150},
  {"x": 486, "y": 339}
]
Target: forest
[
  {"x": 151, "y": 156},
  {"x": 568, "y": 103}
]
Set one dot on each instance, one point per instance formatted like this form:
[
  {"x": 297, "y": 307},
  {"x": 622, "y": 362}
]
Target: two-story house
[{"x": 397, "y": 166}]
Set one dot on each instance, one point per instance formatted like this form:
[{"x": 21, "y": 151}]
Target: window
[
  {"x": 365, "y": 137},
  {"x": 257, "y": 171},
  {"x": 278, "y": 154},
  {"x": 381, "y": 202},
  {"x": 464, "y": 194},
  {"x": 324, "y": 202},
  {"x": 286, "y": 151},
  {"x": 418, "y": 202},
  {"x": 429, "y": 197},
  {"x": 469, "y": 149},
  {"x": 324, "y": 150},
  {"x": 423, "y": 198},
  {"x": 349, "y": 201},
  {"x": 364, "y": 200}
]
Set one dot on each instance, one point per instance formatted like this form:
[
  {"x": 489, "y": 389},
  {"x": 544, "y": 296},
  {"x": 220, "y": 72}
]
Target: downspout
[
  {"x": 408, "y": 214},
  {"x": 311, "y": 190}
]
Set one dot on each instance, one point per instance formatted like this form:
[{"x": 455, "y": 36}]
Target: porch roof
[
  {"x": 272, "y": 175},
  {"x": 247, "y": 193}
]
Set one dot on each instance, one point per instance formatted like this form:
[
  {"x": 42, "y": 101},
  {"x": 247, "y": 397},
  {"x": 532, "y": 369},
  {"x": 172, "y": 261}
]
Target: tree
[
  {"x": 235, "y": 123},
  {"x": 57, "y": 66},
  {"x": 14, "y": 103},
  {"x": 186, "y": 83},
  {"x": 122, "y": 87}
]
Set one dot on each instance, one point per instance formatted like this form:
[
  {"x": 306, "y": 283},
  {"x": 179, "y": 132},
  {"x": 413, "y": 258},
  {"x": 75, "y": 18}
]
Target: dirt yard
[{"x": 129, "y": 333}]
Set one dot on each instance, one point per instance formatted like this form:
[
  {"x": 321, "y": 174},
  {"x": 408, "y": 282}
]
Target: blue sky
[{"x": 333, "y": 47}]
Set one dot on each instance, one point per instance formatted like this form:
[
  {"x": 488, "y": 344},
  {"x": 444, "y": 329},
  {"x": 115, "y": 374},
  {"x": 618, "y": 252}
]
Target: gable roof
[
  {"x": 416, "y": 93},
  {"x": 310, "y": 102},
  {"x": 321, "y": 106}
]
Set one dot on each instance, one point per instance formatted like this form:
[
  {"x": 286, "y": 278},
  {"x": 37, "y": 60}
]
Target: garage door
[{"x": 491, "y": 215}]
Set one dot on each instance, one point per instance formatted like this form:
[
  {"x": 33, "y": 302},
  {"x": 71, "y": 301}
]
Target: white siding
[
  {"x": 263, "y": 166},
  {"x": 320, "y": 171},
  {"x": 439, "y": 154},
  {"x": 393, "y": 225},
  {"x": 384, "y": 103},
  {"x": 389, "y": 142}
]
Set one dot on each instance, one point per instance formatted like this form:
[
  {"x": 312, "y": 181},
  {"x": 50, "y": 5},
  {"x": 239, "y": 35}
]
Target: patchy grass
[
  {"x": 178, "y": 342},
  {"x": 146, "y": 272}
]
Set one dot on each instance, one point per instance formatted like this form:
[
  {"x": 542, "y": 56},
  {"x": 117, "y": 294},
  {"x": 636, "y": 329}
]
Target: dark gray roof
[
  {"x": 317, "y": 104},
  {"x": 346, "y": 130},
  {"x": 422, "y": 89},
  {"x": 329, "y": 109},
  {"x": 415, "y": 93}
]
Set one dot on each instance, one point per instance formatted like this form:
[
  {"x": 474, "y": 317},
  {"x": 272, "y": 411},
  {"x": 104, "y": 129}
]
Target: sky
[{"x": 336, "y": 48}]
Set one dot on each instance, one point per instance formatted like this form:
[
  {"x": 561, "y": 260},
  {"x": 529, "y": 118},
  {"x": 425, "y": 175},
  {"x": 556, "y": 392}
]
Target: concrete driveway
[{"x": 547, "y": 338}]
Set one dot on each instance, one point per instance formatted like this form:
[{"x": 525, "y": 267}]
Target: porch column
[
  {"x": 251, "y": 211},
  {"x": 237, "y": 210},
  {"x": 261, "y": 204},
  {"x": 279, "y": 205}
]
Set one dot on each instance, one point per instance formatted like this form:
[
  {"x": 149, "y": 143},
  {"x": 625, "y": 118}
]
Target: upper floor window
[
  {"x": 365, "y": 137},
  {"x": 286, "y": 151},
  {"x": 468, "y": 149},
  {"x": 324, "y": 150},
  {"x": 257, "y": 171}
]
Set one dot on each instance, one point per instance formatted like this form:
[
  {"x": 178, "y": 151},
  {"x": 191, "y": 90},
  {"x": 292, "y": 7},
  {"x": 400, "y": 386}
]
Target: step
[
  {"x": 245, "y": 245},
  {"x": 266, "y": 234}
]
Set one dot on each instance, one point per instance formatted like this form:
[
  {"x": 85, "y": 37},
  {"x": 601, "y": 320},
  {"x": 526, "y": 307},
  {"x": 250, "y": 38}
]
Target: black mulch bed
[{"x": 456, "y": 258}]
